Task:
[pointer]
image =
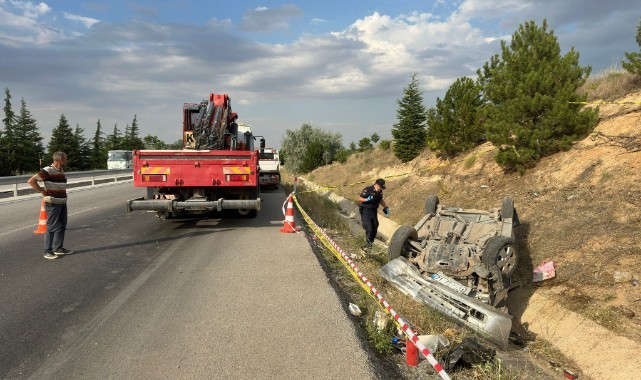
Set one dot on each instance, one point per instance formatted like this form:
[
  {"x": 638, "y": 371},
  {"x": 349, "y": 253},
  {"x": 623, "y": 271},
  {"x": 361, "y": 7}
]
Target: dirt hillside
[{"x": 580, "y": 209}]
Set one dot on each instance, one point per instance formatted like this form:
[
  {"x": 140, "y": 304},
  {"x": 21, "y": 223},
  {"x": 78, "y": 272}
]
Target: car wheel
[
  {"x": 507, "y": 209},
  {"x": 501, "y": 251},
  {"x": 400, "y": 243},
  {"x": 431, "y": 204}
]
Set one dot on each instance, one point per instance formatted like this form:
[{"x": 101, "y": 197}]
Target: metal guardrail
[{"x": 11, "y": 183}]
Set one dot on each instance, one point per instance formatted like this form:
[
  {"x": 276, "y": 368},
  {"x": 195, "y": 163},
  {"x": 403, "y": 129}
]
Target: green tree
[
  {"x": 63, "y": 139},
  {"x": 83, "y": 159},
  {"x": 153, "y": 142},
  {"x": 530, "y": 90},
  {"x": 342, "y": 155},
  {"x": 176, "y": 145},
  {"x": 375, "y": 137},
  {"x": 409, "y": 133},
  {"x": 364, "y": 144},
  {"x": 308, "y": 148},
  {"x": 29, "y": 150},
  {"x": 452, "y": 125},
  {"x": 352, "y": 146},
  {"x": 8, "y": 142},
  {"x": 130, "y": 140},
  {"x": 634, "y": 59},
  {"x": 114, "y": 140},
  {"x": 98, "y": 149},
  {"x": 385, "y": 144}
]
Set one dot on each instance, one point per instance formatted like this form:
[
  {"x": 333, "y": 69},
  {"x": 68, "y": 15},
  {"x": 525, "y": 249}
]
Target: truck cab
[{"x": 269, "y": 163}]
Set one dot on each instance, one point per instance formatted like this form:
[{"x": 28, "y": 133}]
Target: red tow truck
[{"x": 216, "y": 170}]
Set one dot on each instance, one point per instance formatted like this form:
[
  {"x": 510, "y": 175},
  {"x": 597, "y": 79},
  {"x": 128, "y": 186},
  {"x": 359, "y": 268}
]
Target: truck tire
[
  {"x": 501, "y": 251},
  {"x": 249, "y": 213},
  {"x": 399, "y": 243},
  {"x": 431, "y": 204}
]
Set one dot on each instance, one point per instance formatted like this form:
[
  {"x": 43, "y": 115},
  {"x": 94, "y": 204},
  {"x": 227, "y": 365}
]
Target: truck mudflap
[
  {"x": 170, "y": 205},
  {"x": 490, "y": 322}
]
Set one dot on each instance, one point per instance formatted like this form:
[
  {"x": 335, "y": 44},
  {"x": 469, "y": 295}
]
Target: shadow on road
[{"x": 149, "y": 241}]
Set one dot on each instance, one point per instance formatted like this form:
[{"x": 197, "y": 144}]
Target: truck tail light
[
  {"x": 154, "y": 177},
  {"x": 237, "y": 177}
]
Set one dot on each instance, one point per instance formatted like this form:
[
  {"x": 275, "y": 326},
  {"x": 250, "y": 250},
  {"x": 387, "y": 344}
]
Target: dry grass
[
  {"x": 581, "y": 209},
  {"x": 610, "y": 85},
  {"x": 423, "y": 319}
]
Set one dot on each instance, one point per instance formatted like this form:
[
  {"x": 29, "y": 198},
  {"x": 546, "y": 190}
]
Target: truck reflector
[
  {"x": 154, "y": 177},
  {"x": 236, "y": 170},
  {"x": 155, "y": 170},
  {"x": 237, "y": 177}
]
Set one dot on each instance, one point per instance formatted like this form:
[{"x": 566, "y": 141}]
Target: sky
[{"x": 340, "y": 66}]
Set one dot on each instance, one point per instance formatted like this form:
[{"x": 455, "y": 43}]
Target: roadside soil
[{"x": 580, "y": 209}]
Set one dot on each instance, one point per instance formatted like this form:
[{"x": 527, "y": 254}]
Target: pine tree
[
  {"x": 452, "y": 125},
  {"x": 135, "y": 142},
  {"x": 98, "y": 152},
  {"x": 114, "y": 139},
  {"x": 63, "y": 139},
  {"x": 8, "y": 141},
  {"x": 531, "y": 90},
  {"x": 125, "y": 141},
  {"x": 30, "y": 151},
  {"x": 409, "y": 133},
  {"x": 84, "y": 159},
  {"x": 634, "y": 59},
  {"x": 365, "y": 144}
]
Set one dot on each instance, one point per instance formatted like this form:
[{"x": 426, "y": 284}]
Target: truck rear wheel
[{"x": 247, "y": 213}]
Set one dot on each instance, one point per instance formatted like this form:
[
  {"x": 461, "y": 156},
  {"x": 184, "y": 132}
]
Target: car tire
[
  {"x": 507, "y": 208},
  {"x": 399, "y": 242},
  {"x": 501, "y": 251},
  {"x": 431, "y": 204}
]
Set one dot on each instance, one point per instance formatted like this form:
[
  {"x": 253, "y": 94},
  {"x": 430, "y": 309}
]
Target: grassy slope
[{"x": 580, "y": 209}]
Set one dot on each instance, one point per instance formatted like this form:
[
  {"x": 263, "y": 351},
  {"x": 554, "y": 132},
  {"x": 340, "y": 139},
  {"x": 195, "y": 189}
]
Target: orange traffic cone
[
  {"x": 42, "y": 222},
  {"x": 289, "y": 225},
  {"x": 411, "y": 353}
]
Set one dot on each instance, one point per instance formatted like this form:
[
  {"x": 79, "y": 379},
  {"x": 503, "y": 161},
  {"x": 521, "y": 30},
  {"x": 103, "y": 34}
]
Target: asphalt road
[{"x": 141, "y": 297}]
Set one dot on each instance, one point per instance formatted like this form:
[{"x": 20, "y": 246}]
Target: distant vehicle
[
  {"x": 269, "y": 163},
  {"x": 120, "y": 159}
]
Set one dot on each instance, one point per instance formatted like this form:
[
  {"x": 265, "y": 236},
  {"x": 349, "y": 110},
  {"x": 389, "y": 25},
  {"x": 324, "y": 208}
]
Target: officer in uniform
[{"x": 369, "y": 199}]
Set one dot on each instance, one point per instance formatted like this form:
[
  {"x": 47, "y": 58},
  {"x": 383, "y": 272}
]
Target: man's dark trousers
[{"x": 370, "y": 224}]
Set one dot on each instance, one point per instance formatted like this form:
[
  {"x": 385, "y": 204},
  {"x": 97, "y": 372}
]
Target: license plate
[{"x": 450, "y": 283}]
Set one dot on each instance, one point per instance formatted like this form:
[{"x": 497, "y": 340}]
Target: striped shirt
[{"x": 55, "y": 184}]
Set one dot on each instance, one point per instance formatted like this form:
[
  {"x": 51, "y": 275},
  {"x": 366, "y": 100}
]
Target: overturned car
[{"x": 460, "y": 262}]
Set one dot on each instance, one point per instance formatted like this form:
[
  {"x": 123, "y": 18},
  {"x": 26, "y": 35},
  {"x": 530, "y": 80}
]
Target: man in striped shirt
[{"x": 55, "y": 197}]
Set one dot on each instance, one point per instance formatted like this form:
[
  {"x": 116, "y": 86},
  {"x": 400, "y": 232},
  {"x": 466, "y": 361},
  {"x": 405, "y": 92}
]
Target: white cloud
[
  {"x": 264, "y": 19},
  {"x": 87, "y": 21},
  {"x": 347, "y": 79},
  {"x": 31, "y": 10}
]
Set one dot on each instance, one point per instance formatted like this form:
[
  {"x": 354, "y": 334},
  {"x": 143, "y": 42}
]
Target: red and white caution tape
[{"x": 404, "y": 325}]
